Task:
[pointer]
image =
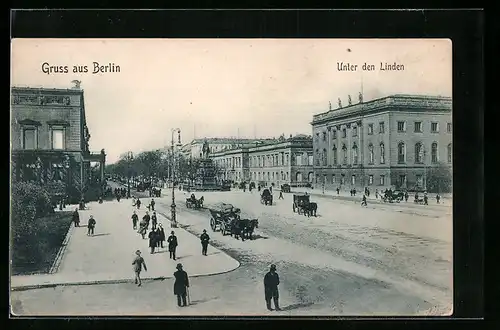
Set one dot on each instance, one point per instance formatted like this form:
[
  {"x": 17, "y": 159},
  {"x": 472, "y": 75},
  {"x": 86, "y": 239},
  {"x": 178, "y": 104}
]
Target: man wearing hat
[
  {"x": 138, "y": 263},
  {"x": 271, "y": 282},
  {"x": 180, "y": 285},
  {"x": 172, "y": 244},
  {"x": 204, "y": 242}
]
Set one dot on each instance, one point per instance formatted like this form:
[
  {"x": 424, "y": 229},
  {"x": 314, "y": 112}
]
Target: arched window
[
  {"x": 324, "y": 157},
  {"x": 419, "y": 153},
  {"x": 450, "y": 155},
  {"x": 318, "y": 159},
  {"x": 354, "y": 154},
  {"x": 334, "y": 152},
  {"x": 401, "y": 152},
  {"x": 382, "y": 153},
  {"x": 434, "y": 152},
  {"x": 298, "y": 177},
  {"x": 370, "y": 154},
  {"x": 344, "y": 154}
]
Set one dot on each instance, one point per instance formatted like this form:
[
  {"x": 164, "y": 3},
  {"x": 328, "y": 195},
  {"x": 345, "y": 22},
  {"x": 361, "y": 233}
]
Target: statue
[
  {"x": 340, "y": 103},
  {"x": 77, "y": 83},
  {"x": 349, "y": 101},
  {"x": 205, "y": 149},
  {"x": 329, "y": 105},
  {"x": 360, "y": 97}
]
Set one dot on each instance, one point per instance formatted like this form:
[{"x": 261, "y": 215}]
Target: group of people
[
  {"x": 136, "y": 202},
  {"x": 90, "y": 223}
]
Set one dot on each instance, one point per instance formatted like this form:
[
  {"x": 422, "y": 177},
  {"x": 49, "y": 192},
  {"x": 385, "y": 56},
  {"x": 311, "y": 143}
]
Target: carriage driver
[{"x": 193, "y": 198}]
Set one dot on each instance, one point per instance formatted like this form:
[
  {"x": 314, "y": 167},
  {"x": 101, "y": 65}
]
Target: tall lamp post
[
  {"x": 130, "y": 157},
  {"x": 173, "y": 223}
]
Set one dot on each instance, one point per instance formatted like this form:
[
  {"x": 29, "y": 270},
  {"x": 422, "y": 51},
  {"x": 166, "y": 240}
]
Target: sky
[{"x": 224, "y": 87}]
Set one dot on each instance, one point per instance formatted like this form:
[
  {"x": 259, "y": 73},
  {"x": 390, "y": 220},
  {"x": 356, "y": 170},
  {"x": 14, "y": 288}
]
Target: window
[
  {"x": 333, "y": 178},
  {"x": 30, "y": 140},
  {"x": 381, "y": 127},
  {"x": 382, "y": 180},
  {"x": 353, "y": 180},
  {"x": 355, "y": 131},
  {"x": 434, "y": 128},
  {"x": 419, "y": 153},
  {"x": 418, "y": 127},
  {"x": 370, "y": 179},
  {"x": 334, "y": 152},
  {"x": 342, "y": 179},
  {"x": 323, "y": 157},
  {"x": 382, "y": 153},
  {"x": 448, "y": 127},
  {"x": 355, "y": 154},
  {"x": 344, "y": 154},
  {"x": 401, "y": 126},
  {"x": 370, "y": 129},
  {"x": 286, "y": 159},
  {"x": 334, "y": 134},
  {"x": 324, "y": 136},
  {"x": 57, "y": 137},
  {"x": 318, "y": 160},
  {"x": 370, "y": 154},
  {"x": 310, "y": 160},
  {"x": 344, "y": 132},
  {"x": 450, "y": 156},
  {"x": 325, "y": 179},
  {"x": 402, "y": 180},
  {"x": 298, "y": 160},
  {"x": 419, "y": 181},
  {"x": 401, "y": 153},
  {"x": 317, "y": 136},
  {"x": 434, "y": 153}
]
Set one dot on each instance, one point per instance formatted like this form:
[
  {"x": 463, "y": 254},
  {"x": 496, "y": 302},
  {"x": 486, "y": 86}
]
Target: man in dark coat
[
  {"x": 154, "y": 221},
  {"x": 146, "y": 218},
  {"x": 271, "y": 282},
  {"x": 152, "y": 240},
  {"x": 152, "y": 204},
  {"x": 180, "y": 285},
  {"x": 76, "y": 218},
  {"x": 161, "y": 235},
  {"x": 138, "y": 203},
  {"x": 90, "y": 226},
  {"x": 172, "y": 244},
  {"x": 135, "y": 218},
  {"x": 204, "y": 242}
]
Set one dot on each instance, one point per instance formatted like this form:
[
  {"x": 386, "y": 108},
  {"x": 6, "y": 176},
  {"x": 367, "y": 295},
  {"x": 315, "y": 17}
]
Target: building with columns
[
  {"x": 194, "y": 148},
  {"x": 387, "y": 142},
  {"x": 50, "y": 142},
  {"x": 276, "y": 162}
]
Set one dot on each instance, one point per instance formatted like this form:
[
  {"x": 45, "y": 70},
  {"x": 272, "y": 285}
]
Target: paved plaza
[{"x": 107, "y": 256}]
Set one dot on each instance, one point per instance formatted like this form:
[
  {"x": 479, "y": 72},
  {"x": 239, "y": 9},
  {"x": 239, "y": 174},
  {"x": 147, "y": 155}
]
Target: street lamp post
[{"x": 173, "y": 222}]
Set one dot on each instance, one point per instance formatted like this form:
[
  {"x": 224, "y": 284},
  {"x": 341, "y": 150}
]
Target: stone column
[{"x": 329, "y": 150}]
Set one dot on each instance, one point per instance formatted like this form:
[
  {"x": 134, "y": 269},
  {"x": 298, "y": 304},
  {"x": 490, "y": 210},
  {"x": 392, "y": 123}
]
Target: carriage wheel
[
  {"x": 223, "y": 229},
  {"x": 293, "y": 207},
  {"x": 212, "y": 224}
]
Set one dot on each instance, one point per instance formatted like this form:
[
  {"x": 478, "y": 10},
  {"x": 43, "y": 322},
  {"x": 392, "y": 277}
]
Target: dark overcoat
[
  {"x": 271, "y": 282},
  {"x": 161, "y": 235},
  {"x": 172, "y": 242},
  {"x": 152, "y": 239},
  {"x": 181, "y": 282}
]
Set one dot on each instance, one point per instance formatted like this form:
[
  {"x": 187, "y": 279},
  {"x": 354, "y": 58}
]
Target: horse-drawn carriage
[
  {"x": 266, "y": 197},
  {"x": 194, "y": 203},
  {"x": 393, "y": 196},
  {"x": 303, "y": 205},
  {"x": 420, "y": 200},
  {"x": 227, "y": 219}
]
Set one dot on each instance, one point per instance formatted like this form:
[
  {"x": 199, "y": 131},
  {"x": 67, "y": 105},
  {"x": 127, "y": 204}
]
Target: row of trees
[{"x": 156, "y": 164}]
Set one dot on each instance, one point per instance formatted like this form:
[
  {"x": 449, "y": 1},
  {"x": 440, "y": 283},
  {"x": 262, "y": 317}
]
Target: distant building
[
  {"x": 194, "y": 148},
  {"x": 387, "y": 142},
  {"x": 276, "y": 162},
  {"x": 50, "y": 141}
]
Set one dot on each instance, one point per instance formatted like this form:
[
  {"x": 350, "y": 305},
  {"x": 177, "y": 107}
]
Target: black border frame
[{"x": 463, "y": 27}]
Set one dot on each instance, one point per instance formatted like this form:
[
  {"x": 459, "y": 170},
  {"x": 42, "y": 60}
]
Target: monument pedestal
[{"x": 205, "y": 176}]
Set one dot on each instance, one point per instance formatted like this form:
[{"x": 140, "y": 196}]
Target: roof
[
  {"x": 43, "y": 89},
  {"x": 226, "y": 140},
  {"x": 397, "y": 101}
]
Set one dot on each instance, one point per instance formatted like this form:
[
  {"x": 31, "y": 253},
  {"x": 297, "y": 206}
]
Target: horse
[
  {"x": 236, "y": 229},
  {"x": 199, "y": 202},
  {"x": 310, "y": 209},
  {"x": 247, "y": 227}
]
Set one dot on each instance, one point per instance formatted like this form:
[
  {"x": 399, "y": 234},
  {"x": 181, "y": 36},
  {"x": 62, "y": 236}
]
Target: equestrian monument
[{"x": 205, "y": 174}]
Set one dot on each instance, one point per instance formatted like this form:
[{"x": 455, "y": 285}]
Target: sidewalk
[{"x": 107, "y": 256}]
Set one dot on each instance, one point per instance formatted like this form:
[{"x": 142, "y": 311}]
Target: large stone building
[
  {"x": 194, "y": 148},
  {"x": 276, "y": 162},
  {"x": 50, "y": 141},
  {"x": 387, "y": 142}
]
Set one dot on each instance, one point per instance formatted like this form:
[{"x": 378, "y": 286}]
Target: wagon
[
  {"x": 222, "y": 217},
  {"x": 300, "y": 203},
  {"x": 266, "y": 197}
]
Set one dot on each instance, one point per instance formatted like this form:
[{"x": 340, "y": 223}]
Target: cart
[{"x": 222, "y": 217}]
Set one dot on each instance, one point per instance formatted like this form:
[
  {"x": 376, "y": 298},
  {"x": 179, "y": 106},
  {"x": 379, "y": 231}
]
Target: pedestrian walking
[
  {"x": 181, "y": 286},
  {"x": 134, "y": 201},
  {"x": 161, "y": 235},
  {"x": 338, "y": 191},
  {"x": 172, "y": 244},
  {"x": 90, "y": 226},
  {"x": 143, "y": 227},
  {"x": 135, "y": 219},
  {"x": 271, "y": 282},
  {"x": 406, "y": 196},
  {"x": 425, "y": 199},
  {"x": 76, "y": 218},
  {"x": 154, "y": 221},
  {"x": 204, "y": 242},
  {"x": 363, "y": 202},
  {"x": 152, "y": 240},
  {"x": 146, "y": 218},
  {"x": 152, "y": 204},
  {"x": 376, "y": 193},
  {"x": 138, "y": 263},
  {"x": 438, "y": 198},
  {"x": 138, "y": 203}
]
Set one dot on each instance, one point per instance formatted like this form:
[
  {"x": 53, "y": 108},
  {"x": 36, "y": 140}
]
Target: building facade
[
  {"x": 278, "y": 162},
  {"x": 50, "y": 141},
  {"x": 387, "y": 142},
  {"x": 194, "y": 148}
]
